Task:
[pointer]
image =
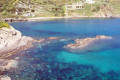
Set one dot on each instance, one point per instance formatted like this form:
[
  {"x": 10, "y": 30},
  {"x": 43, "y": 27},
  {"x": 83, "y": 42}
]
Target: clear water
[{"x": 98, "y": 61}]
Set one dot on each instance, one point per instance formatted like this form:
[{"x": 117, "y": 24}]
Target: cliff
[{"x": 11, "y": 40}]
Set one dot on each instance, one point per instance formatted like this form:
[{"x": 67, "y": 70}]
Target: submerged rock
[
  {"x": 5, "y": 77},
  {"x": 53, "y": 38},
  {"x": 8, "y": 64},
  {"x": 11, "y": 40},
  {"x": 80, "y": 43}
]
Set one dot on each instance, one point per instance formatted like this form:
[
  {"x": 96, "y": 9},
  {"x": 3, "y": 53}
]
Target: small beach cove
[{"x": 51, "y": 61}]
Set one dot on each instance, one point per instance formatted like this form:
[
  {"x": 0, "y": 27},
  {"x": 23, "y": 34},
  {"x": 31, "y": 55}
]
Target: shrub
[
  {"x": 96, "y": 9},
  {"x": 4, "y": 24},
  {"x": 32, "y": 10}
]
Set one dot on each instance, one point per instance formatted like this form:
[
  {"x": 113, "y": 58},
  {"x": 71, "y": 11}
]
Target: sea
[{"x": 100, "y": 60}]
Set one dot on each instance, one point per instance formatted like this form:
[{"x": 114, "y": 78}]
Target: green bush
[
  {"x": 96, "y": 9},
  {"x": 4, "y": 24},
  {"x": 32, "y": 10}
]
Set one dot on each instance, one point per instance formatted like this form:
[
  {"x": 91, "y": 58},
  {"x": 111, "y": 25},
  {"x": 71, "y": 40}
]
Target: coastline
[
  {"x": 11, "y": 42},
  {"x": 33, "y": 56},
  {"x": 8, "y": 47},
  {"x": 52, "y": 18},
  {"x": 70, "y": 17}
]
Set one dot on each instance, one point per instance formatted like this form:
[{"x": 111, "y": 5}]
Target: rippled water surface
[{"x": 51, "y": 61}]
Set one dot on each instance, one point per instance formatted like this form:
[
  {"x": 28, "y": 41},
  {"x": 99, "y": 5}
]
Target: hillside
[{"x": 52, "y": 8}]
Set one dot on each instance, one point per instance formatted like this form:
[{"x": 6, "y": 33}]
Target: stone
[
  {"x": 80, "y": 43},
  {"x": 5, "y": 77},
  {"x": 12, "y": 40},
  {"x": 53, "y": 38},
  {"x": 8, "y": 64}
]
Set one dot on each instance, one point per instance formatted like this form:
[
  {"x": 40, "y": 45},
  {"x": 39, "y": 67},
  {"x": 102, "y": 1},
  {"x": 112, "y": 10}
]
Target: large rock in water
[
  {"x": 12, "y": 40},
  {"x": 80, "y": 43}
]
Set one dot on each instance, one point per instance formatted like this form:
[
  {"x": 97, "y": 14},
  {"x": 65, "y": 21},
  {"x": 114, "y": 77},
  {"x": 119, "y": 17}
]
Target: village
[{"x": 78, "y": 5}]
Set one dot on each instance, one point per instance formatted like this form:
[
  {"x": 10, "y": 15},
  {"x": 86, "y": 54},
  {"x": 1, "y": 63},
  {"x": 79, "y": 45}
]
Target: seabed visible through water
[{"x": 51, "y": 61}]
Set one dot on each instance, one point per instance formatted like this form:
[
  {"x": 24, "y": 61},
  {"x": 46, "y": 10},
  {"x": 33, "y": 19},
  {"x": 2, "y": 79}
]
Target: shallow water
[{"x": 98, "y": 61}]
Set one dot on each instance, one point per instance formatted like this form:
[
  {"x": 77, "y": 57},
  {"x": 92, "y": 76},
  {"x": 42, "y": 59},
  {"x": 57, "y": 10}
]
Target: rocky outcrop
[
  {"x": 5, "y": 66},
  {"x": 80, "y": 43},
  {"x": 11, "y": 40},
  {"x": 53, "y": 38},
  {"x": 8, "y": 64},
  {"x": 47, "y": 39},
  {"x": 5, "y": 77}
]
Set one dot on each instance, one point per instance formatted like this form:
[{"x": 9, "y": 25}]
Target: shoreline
[
  {"x": 51, "y": 18},
  {"x": 70, "y": 17},
  {"x": 28, "y": 45},
  {"x": 12, "y": 41}
]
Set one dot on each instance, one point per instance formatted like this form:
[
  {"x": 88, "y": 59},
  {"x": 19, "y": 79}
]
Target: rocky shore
[
  {"x": 5, "y": 77},
  {"x": 80, "y": 43},
  {"x": 12, "y": 40},
  {"x": 64, "y": 17},
  {"x": 15, "y": 19},
  {"x": 6, "y": 65}
]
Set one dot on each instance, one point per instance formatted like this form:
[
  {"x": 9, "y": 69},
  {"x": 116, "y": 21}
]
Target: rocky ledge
[
  {"x": 6, "y": 65},
  {"x": 11, "y": 40},
  {"x": 80, "y": 43},
  {"x": 5, "y": 77}
]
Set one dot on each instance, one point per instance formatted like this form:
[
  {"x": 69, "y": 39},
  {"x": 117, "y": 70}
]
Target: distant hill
[{"x": 52, "y": 8}]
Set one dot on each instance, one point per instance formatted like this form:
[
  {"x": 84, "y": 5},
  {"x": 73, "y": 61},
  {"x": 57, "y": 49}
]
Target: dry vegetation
[{"x": 8, "y": 7}]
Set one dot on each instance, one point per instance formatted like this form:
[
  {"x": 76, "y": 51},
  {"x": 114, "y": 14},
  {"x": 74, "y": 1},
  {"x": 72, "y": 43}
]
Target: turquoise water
[{"x": 98, "y": 61}]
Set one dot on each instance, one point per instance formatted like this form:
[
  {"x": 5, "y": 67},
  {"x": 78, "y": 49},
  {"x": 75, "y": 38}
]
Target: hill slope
[{"x": 52, "y": 8}]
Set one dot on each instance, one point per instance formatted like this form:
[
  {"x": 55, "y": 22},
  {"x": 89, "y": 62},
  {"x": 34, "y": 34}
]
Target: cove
[{"x": 98, "y": 61}]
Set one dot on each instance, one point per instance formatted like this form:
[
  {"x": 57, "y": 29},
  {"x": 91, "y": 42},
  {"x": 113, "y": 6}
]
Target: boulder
[
  {"x": 12, "y": 40},
  {"x": 5, "y": 77},
  {"x": 53, "y": 38},
  {"x": 80, "y": 43}
]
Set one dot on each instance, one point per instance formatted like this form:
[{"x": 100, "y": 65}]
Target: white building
[
  {"x": 90, "y": 1},
  {"x": 78, "y": 5},
  {"x": 29, "y": 14}
]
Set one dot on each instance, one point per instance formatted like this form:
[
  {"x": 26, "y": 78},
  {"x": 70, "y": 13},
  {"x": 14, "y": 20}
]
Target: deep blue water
[{"x": 51, "y": 61}]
